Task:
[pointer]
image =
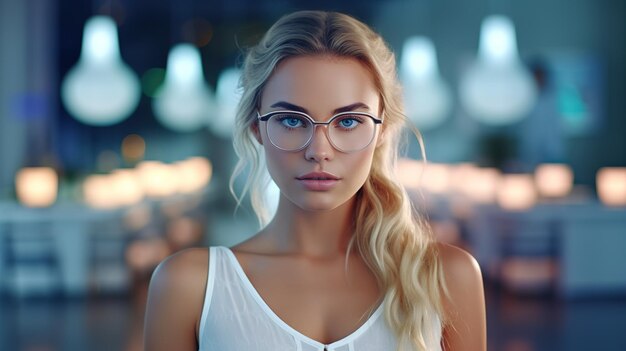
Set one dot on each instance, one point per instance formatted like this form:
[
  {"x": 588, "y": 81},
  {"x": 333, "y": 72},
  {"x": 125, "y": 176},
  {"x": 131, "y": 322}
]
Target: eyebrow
[{"x": 290, "y": 106}]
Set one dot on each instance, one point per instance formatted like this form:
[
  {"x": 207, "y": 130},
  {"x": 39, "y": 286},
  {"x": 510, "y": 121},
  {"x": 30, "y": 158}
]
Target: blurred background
[{"x": 116, "y": 151}]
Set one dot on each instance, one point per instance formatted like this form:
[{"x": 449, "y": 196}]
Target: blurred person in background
[{"x": 345, "y": 263}]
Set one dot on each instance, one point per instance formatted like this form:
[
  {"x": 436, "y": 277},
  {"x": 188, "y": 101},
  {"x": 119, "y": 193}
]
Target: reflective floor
[{"x": 514, "y": 323}]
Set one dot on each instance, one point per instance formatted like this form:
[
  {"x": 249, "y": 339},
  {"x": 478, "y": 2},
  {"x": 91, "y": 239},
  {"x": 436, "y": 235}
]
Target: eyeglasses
[{"x": 293, "y": 130}]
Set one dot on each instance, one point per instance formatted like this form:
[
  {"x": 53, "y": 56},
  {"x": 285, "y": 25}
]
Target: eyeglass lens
[{"x": 347, "y": 132}]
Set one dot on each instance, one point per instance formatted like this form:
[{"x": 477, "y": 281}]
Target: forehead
[{"x": 320, "y": 84}]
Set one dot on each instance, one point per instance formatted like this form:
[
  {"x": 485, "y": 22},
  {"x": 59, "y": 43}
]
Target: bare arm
[
  {"x": 175, "y": 300},
  {"x": 465, "y": 306}
]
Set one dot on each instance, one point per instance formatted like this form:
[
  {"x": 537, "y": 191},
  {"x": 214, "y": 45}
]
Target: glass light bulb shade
[
  {"x": 184, "y": 102},
  {"x": 100, "y": 41},
  {"x": 36, "y": 186},
  {"x": 516, "y": 192},
  {"x": 100, "y": 96},
  {"x": 419, "y": 59},
  {"x": 183, "y": 111},
  {"x": 611, "y": 185},
  {"x": 497, "y": 95},
  {"x": 427, "y": 103},
  {"x": 427, "y": 97},
  {"x": 497, "y": 89},
  {"x": 184, "y": 66},
  {"x": 227, "y": 96},
  {"x": 498, "y": 43},
  {"x": 554, "y": 180},
  {"x": 100, "y": 89}
]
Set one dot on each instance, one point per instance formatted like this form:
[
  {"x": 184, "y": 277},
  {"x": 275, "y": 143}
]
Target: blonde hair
[{"x": 389, "y": 235}]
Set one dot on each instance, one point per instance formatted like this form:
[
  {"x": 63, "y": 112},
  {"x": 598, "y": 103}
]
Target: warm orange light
[
  {"x": 145, "y": 254},
  {"x": 446, "y": 231},
  {"x": 194, "y": 174},
  {"x": 126, "y": 187},
  {"x": 516, "y": 192},
  {"x": 554, "y": 180},
  {"x": 133, "y": 148},
  {"x": 137, "y": 217},
  {"x": 481, "y": 184},
  {"x": 36, "y": 186},
  {"x": 184, "y": 231},
  {"x": 436, "y": 178},
  {"x": 409, "y": 172},
  {"x": 528, "y": 274},
  {"x": 459, "y": 175},
  {"x": 99, "y": 192},
  {"x": 611, "y": 185},
  {"x": 157, "y": 179}
]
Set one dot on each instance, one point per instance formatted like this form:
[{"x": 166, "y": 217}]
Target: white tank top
[{"x": 236, "y": 318}]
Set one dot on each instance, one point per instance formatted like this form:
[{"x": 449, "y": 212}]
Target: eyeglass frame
[{"x": 267, "y": 116}]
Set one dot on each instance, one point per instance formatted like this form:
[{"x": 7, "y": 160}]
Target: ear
[{"x": 256, "y": 131}]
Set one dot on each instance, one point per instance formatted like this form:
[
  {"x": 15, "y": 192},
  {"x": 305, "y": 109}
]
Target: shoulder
[
  {"x": 464, "y": 302},
  {"x": 183, "y": 273},
  {"x": 181, "y": 276},
  {"x": 175, "y": 300},
  {"x": 458, "y": 265},
  {"x": 462, "y": 275},
  {"x": 183, "y": 265}
]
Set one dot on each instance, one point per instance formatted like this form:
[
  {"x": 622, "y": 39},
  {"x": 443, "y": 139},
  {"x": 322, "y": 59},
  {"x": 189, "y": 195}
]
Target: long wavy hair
[{"x": 393, "y": 240}]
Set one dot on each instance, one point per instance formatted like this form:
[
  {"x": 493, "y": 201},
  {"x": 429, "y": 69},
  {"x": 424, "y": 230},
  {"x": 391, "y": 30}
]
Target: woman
[{"x": 344, "y": 264}]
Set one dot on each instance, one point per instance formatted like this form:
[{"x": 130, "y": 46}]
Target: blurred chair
[
  {"x": 529, "y": 261},
  {"x": 31, "y": 267},
  {"x": 516, "y": 249},
  {"x": 109, "y": 273},
  {"x": 573, "y": 250}
]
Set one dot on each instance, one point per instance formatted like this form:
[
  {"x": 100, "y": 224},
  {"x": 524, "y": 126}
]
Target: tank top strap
[{"x": 215, "y": 258}]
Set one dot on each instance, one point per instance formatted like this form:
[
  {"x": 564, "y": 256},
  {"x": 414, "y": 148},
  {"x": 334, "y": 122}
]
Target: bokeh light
[
  {"x": 37, "y": 186},
  {"x": 133, "y": 148}
]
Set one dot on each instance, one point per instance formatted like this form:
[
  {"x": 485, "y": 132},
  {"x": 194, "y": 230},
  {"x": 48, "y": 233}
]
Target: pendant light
[
  {"x": 497, "y": 89},
  {"x": 184, "y": 102},
  {"x": 100, "y": 89},
  {"x": 427, "y": 97},
  {"x": 227, "y": 96}
]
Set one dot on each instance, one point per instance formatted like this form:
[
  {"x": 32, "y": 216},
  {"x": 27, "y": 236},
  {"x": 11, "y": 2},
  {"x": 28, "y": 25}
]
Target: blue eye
[
  {"x": 348, "y": 123},
  {"x": 291, "y": 121}
]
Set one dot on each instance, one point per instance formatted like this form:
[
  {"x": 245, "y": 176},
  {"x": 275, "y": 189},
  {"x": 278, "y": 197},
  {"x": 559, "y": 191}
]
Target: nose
[{"x": 320, "y": 147}]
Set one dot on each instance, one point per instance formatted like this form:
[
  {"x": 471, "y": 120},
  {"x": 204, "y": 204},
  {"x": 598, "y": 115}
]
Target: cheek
[
  {"x": 277, "y": 162},
  {"x": 361, "y": 166}
]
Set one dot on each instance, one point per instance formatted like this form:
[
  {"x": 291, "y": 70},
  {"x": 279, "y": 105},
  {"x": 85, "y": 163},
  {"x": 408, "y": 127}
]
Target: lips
[
  {"x": 318, "y": 176},
  {"x": 318, "y": 181}
]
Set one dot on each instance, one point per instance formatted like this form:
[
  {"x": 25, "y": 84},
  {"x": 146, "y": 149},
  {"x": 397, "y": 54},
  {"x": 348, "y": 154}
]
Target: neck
[{"x": 311, "y": 233}]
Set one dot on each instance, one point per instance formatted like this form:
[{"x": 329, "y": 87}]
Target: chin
[{"x": 320, "y": 203}]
